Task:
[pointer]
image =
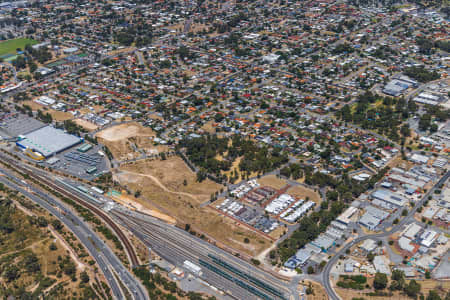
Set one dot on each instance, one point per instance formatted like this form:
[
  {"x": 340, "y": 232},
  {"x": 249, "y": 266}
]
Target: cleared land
[
  {"x": 124, "y": 131},
  {"x": 10, "y": 46},
  {"x": 60, "y": 115},
  {"x": 89, "y": 126},
  {"x": 161, "y": 183},
  {"x": 303, "y": 192},
  {"x": 120, "y": 139},
  {"x": 272, "y": 181}
]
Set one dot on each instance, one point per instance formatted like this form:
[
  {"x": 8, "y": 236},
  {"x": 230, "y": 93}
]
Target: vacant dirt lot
[
  {"x": 60, "y": 116},
  {"x": 161, "y": 183},
  {"x": 124, "y": 131},
  {"x": 170, "y": 175},
  {"x": 272, "y": 181},
  {"x": 89, "y": 126},
  {"x": 119, "y": 139}
]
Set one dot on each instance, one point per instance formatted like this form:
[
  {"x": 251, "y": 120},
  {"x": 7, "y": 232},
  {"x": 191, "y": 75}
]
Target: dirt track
[{"x": 159, "y": 183}]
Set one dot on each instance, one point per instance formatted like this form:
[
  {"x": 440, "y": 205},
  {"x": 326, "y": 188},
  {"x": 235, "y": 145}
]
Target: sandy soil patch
[
  {"x": 124, "y": 131},
  {"x": 121, "y": 138},
  {"x": 86, "y": 124}
]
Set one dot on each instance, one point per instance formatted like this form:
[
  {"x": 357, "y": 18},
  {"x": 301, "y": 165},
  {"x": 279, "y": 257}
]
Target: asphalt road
[
  {"x": 410, "y": 217},
  {"x": 102, "y": 254}
]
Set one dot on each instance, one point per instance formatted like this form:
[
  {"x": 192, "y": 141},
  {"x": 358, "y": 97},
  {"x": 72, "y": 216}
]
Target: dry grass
[
  {"x": 278, "y": 232},
  {"x": 33, "y": 105},
  {"x": 426, "y": 285},
  {"x": 161, "y": 185},
  {"x": 119, "y": 51},
  {"x": 272, "y": 181},
  {"x": 172, "y": 173},
  {"x": 235, "y": 167},
  {"x": 60, "y": 116},
  {"x": 319, "y": 292},
  {"x": 89, "y": 126},
  {"x": 303, "y": 192}
]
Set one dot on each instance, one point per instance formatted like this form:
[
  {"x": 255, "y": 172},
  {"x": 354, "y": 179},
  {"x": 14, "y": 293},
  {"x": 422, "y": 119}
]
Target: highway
[
  {"x": 410, "y": 217},
  {"x": 109, "y": 264},
  {"x": 176, "y": 245}
]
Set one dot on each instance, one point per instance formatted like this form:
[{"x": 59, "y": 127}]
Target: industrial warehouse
[{"x": 48, "y": 141}]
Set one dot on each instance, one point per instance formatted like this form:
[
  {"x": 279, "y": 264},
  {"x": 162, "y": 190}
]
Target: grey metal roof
[{"x": 48, "y": 140}]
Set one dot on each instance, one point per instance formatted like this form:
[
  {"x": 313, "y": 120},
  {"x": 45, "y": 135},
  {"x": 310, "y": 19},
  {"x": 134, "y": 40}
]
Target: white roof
[
  {"x": 411, "y": 231},
  {"x": 381, "y": 265},
  {"x": 428, "y": 237},
  {"x": 347, "y": 214},
  {"x": 405, "y": 244}
]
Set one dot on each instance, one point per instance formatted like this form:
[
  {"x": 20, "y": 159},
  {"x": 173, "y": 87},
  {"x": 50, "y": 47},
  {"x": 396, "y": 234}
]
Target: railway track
[
  {"x": 128, "y": 247},
  {"x": 183, "y": 247}
]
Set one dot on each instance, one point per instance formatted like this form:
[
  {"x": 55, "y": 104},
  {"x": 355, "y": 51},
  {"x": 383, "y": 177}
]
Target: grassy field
[{"x": 10, "y": 46}]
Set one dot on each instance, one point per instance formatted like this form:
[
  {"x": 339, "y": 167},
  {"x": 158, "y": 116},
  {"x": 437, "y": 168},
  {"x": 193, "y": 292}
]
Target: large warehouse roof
[{"x": 48, "y": 140}]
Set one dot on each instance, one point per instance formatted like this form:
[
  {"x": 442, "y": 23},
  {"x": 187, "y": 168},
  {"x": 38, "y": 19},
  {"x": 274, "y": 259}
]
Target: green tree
[
  {"x": 433, "y": 295},
  {"x": 412, "y": 289},
  {"x": 84, "y": 277},
  {"x": 380, "y": 281}
]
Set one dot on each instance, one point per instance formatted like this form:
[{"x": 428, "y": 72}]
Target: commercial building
[
  {"x": 389, "y": 197},
  {"x": 48, "y": 141},
  {"x": 368, "y": 245},
  {"x": 323, "y": 242},
  {"x": 84, "y": 148},
  {"x": 381, "y": 265},
  {"x": 346, "y": 216},
  {"x": 428, "y": 238},
  {"x": 419, "y": 159},
  {"x": 373, "y": 217},
  {"x": 193, "y": 268},
  {"x": 411, "y": 231},
  {"x": 426, "y": 98},
  {"x": 300, "y": 259},
  {"x": 405, "y": 244},
  {"x": 397, "y": 86}
]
